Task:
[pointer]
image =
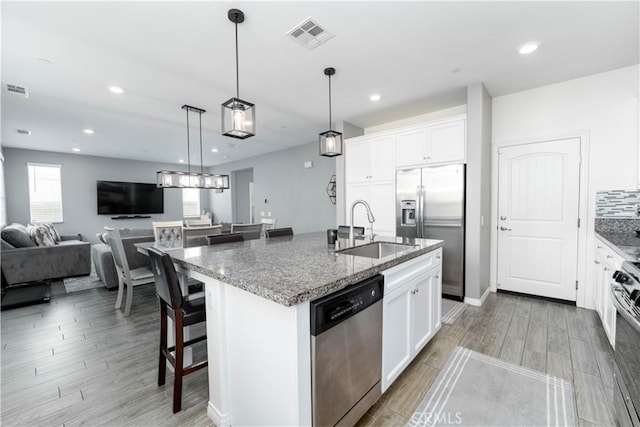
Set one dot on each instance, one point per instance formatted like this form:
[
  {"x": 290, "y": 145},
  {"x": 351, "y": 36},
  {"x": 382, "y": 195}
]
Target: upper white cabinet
[
  {"x": 370, "y": 159},
  {"x": 432, "y": 144}
]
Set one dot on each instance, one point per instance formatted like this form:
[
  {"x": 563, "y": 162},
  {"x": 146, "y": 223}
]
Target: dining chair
[
  {"x": 278, "y": 232},
  {"x": 197, "y": 223},
  {"x": 168, "y": 233},
  {"x": 268, "y": 224},
  {"x": 127, "y": 277},
  {"x": 217, "y": 239},
  {"x": 250, "y": 231},
  {"x": 184, "y": 312}
]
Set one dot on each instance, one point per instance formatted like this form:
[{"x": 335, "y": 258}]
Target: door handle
[
  {"x": 503, "y": 218},
  {"x": 505, "y": 229}
]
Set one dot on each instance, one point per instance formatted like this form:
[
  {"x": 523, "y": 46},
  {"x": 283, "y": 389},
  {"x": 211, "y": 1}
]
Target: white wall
[
  {"x": 295, "y": 196},
  {"x": 416, "y": 120},
  {"x": 478, "y": 191},
  {"x": 79, "y": 196},
  {"x": 603, "y": 108}
]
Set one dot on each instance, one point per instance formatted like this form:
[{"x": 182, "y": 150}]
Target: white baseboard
[
  {"x": 478, "y": 302},
  {"x": 219, "y": 419}
]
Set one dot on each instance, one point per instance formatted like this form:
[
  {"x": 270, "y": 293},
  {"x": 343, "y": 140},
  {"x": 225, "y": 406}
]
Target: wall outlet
[{"x": 261, "y": 213}]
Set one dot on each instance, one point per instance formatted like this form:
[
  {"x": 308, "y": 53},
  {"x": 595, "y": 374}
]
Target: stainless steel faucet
[{"x": 370, "y": 217}]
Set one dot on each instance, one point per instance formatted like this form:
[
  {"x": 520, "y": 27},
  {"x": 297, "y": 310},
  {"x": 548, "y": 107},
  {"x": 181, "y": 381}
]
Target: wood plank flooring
[{"x": 78, "y": 361}]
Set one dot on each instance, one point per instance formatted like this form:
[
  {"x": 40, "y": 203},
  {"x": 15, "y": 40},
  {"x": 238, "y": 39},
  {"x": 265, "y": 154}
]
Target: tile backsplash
[{"x": 618, "y": 204}]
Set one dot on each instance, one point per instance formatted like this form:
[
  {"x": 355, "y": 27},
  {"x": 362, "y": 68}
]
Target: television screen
[{"x": 129, "y": 198}]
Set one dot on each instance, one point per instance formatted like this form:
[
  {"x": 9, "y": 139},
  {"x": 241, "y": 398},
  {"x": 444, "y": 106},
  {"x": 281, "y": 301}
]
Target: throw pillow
[
  {"x": 52, "y": 231},
  {"x": 40, "y": 234},
  {"x": 5, "y": 245},
  {"x": 17, "y": 236}
]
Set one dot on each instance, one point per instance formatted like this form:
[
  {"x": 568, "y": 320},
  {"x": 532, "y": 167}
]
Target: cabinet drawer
[
  {"x": 608, "y": 255},
  {"x": 396, "y": 276}
]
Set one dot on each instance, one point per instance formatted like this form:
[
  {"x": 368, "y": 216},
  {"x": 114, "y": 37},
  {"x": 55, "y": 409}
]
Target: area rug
[
  {"x": 82, "y": 283},
  {"x": 451, "y": 310},
  {"x": 478, "y": 390}
]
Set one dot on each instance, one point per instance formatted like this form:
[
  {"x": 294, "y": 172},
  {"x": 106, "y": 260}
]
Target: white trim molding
[{"x": 478, "y": 302}]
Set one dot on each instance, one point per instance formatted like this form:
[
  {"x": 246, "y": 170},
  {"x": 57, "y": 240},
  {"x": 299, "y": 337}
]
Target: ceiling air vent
[
  {"x": 310, "y": 34},
  {"x": 18, "y": 90},
  {"x": 23, "y": 131}
]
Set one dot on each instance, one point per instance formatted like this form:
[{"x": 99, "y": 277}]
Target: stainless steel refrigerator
[{"x": 430, "y": 204}]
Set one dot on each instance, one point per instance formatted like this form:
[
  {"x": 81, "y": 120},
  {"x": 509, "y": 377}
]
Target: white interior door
[{"x": 538, "y": 199}]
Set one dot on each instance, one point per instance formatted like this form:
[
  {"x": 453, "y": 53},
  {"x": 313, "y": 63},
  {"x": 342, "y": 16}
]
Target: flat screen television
[{"x": 129, "y": 198}]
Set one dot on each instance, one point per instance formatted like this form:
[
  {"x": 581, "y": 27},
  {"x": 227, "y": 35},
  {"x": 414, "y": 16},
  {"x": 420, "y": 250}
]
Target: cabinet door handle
[
  {"x": 503, "y": 218},
  {"x": 606, "y": 269},
  {"x": 505, "y": 229},
  {"x": 609, "y": 257},
  {"x": 599, "y": 247},
  {"x": 438, "y": 257},
  {"x": 437, "y": 277},
  {"x": 597, "y": 262}
]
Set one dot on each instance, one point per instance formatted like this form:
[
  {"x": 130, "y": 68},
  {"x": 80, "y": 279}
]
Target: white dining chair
[
  {"x": 168, "y": 233},
  {"x": 127, "y": 277},
  {"x": 250, "y": 231},
  {"x": 268, "y": 223}
]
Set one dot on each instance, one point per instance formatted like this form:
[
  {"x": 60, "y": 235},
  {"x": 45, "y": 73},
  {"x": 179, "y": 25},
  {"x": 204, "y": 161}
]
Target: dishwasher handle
[{"x": 333, "y": 309}]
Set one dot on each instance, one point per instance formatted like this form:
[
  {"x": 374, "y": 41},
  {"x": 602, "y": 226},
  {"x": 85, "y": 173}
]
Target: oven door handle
[{"x": 620, "y": 307}]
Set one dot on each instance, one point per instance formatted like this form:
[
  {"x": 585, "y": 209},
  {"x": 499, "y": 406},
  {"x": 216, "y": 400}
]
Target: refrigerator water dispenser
[{"x": 408, "y": 213}]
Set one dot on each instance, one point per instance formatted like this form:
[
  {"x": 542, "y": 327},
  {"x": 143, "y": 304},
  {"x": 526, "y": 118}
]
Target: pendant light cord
[
  {"x": 201, "y": 166},
  {"x": 237, "y": 68},
  {"x": 188, "y": 143},
  {"x": 330, "y": 102}
]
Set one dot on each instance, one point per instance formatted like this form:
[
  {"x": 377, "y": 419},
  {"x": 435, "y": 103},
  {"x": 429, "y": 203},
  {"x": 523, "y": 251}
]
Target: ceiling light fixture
[
  {"x": 77, "y": 150},
  {"x": 116, "y": 89},
  {"x": 238, "y": 116},
  {"x": 528, "y": 48},
  {"x": 88, "y": 131},
  {"x": 330, "y": 142},
  {"x": 375, "y": 97},
  {"x": 180, "y": 179},
  {"x": 214, "y": 150}
]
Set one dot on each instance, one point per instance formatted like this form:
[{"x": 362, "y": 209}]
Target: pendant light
[
  {"x": 180, "y": 179},
  {"x": 238, "y": 116},
  {"x": 330, "y": 141}
]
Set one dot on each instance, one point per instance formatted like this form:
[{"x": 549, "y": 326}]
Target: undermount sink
[{"x": 375, "y": 250}]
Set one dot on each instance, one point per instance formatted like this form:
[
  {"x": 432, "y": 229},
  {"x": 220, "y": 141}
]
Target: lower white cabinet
[
  {"x": 411, "y": 313},
  {"x": 606, "y": 263}
]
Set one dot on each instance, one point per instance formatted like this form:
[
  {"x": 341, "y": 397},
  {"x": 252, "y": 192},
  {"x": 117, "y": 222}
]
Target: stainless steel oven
[{"x": 626, "y": 297}]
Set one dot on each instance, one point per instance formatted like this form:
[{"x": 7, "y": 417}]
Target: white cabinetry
[
  {"x": 370, "y": 176},
  {"x": 432, "y": 144},
  {"x": 606, "y": 263},
  {"x": 411, "y": 312}
]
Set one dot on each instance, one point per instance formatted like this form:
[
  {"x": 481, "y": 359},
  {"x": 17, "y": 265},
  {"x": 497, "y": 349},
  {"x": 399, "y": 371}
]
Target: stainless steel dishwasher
[{"x": 346, "y": 352}]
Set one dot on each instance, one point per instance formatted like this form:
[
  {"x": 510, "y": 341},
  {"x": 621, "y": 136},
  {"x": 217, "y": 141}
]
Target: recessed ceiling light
[
  {"x": 214, "y": 150},
  {"x": 528, "y": 47},
  {"x": 116, "y": 89},
  {"x": 375, "y": 97},
  {"x": 88, "y": 131},
  {"x": 456, "y": 70},
  {"x": 181, "y": 161},
  {"x": 75, "y": 149}
]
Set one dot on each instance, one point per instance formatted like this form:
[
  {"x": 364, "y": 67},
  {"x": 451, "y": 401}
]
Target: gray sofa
[
  {"x": 103, "y": 260},
  {"x": 71, "y": 256}
]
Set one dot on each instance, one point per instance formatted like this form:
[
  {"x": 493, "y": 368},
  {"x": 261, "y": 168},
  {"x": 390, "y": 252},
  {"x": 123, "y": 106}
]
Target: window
[
  {"x": 191, "y": 202},
  {"x": 45, "y": 192}
]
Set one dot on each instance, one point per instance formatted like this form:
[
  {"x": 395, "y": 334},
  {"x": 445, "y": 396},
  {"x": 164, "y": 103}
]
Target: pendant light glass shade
[
  {"x": 238, "y": 116},
  {"x": 238, "y": 119},
  {"x": 330, "y": 142},
  {"x": 181, "y": 179}
]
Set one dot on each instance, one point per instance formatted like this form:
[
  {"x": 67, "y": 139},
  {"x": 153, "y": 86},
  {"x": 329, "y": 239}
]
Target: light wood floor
[{"x": 78, "y": 361}]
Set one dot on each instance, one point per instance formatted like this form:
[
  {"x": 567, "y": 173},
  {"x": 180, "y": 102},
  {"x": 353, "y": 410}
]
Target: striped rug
[
  {"x": 451, "y": 310},
  {"x": 478, "y": 390}
]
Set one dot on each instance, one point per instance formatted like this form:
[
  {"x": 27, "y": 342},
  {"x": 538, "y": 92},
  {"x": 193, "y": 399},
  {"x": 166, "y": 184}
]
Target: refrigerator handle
[{"x": 419, "y": 211}]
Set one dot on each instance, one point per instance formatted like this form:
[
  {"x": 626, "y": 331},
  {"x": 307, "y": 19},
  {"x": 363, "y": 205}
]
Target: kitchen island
[{"x": 258, "y": 318}]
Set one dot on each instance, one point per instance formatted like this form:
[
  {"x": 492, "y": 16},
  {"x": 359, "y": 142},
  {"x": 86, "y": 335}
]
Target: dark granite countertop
[
  {"x": 290, "y": 270},
  {"x": 626, "y": 244}
]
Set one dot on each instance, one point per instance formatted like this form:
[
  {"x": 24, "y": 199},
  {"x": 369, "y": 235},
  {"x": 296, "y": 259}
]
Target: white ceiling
[{"x": 166, "y": 54}]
